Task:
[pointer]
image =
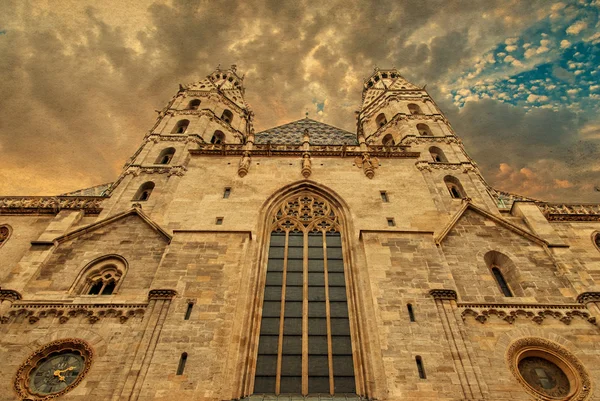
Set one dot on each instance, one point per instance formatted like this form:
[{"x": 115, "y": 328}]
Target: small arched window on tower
[
  {"x": 388, "y": 140},
  {"x": 437, "y": 155},
  {"x": 381, "y": 120},
  {"x": 181, "y": 126},
  {"x": 4, "y": 234},
  {"x": 194, "y": 104},
  {"x": 143, "y": 193},
  {"x": 227, "y": 116},
  {"x": 414, "y": 109},
  {"x": 424, "y": 130},
  {"x": 501, "y": 282},
  {"x": 165, "y": 156},
  {"x": 101, "y": 277},
  {"x": 454, "y": 187},
  {"x": 217, "y": 138}
]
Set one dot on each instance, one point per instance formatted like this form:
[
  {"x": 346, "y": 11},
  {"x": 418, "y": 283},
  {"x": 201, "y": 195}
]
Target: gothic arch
[
  {"x": 115, "y": 264},
  {"x": 5, "y": 233},
  {"x": 368, "y": 369}
]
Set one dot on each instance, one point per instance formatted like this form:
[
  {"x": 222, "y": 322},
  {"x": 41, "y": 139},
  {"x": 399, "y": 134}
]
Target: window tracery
[{"x": 101, "y": 277}]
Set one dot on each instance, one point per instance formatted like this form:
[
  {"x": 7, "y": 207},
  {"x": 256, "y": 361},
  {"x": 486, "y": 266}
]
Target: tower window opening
[
  {"x": 381, "y": 120},
  {"x": 414, "y": 109},
  {"x": 420, "y": 367},
  {"x": 384, "y": 75},
  {"x": 143, "y": 193},
  {"x": 165, "y": 156},
  {"x": 188, "y": 311},
  {"x": 181, "y": 126},
  {"x": 182, "y": 361},
  {"x": 227, "y": 116},
  {"x": 388, "y": 140},
  {"x": 424, "y": 130},
  {"x": 454, "y": 187},
  {"x": 501, "y": 282},
  {"x": 226, "y": 193},
  {"x": 217, "y": 138},
  {"x": 391, "y": 222},
  {"x": 384, "y": 196},
  {"x": 411, "y": 312},
  {"x": 437, "y": 155},
  {"x": 219, "y": 221},
  {"x": 194, "y": 104}
]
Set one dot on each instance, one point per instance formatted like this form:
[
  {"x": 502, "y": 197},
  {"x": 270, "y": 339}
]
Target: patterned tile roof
[
  {"x": 319, "y": 133},
  {"x": 98, "y": 190}
]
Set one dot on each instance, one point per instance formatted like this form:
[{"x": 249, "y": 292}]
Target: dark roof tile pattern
[{"x": 319, "y": 134}]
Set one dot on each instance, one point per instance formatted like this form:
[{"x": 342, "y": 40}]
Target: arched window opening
[
  {"x": 182, "y": 361},
  {"x": 227, "y": 116},
  {"x": 501, "y": 282},
  {"x": 217, "y": 138},
  {"x": 596, "y": 240},
  {"x": 188, "y": 311},
  {"x": 424, "y": 130},
  {"x": 143, "y": 193},
  {"x": 414, "y": 109},
  {"x": 454, "y": 187},
  {"x": 181, "y": 126},
  {"x": 420, "y": 367},
  {"x": 101, "y": 277},
  {"x": 437, "y": 155},
  {"x": 305, "y": 345},
  {"x": 4, "y": 234},
  {"x": 388, "y": 140},
  {"x": 411, "y": 312},
  {"x": 165, "y": 156},
  {"x": 194, "y": 104},
  {"x": 381, "y": 120}
]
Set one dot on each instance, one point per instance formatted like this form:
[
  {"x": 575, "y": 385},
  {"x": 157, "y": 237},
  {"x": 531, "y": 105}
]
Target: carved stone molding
[
  {"x": 22, "y": 378},
  {"x": 443, "y": 294},
  {"x": 162, "y": 294},
  {"x": 429, "y": 166},
  {"x": 136, "y": 170},
  {"x": 367, "y": 163},
  {"x": 306, "y": 165},
  {"x": 10, "y": 295},
  {"x": 410, "y": 139},
  {"x": 49, "y": 205},
  {"x": 586, "y": 297},
  {"x": 579, "y": 379},
  {"x": 571, "y": 212},
  {"x": 535, "y": 313},
  {"x": 93, "y": 312}
]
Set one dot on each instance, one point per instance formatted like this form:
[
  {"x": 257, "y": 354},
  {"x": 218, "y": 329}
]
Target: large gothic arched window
[{"x": 305, "y": 345}]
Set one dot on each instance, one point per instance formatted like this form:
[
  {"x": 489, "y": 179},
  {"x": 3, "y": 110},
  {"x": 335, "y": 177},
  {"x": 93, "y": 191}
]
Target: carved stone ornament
[
  {"x": 306, "y": 165},
  {"x": 548, "y": 371},
  {"x": 25, "y": 387},
  {"x": 368, "y": 164},
  {"x": 305, "y": 212},
  {"x": 10, "y": 295},
  {"x": 510, "y": 313},
  {"x": 49, "y": 205},
  {"x": 92, "y": 312},
  {"x": 586, "y": 297},
  {"x": 443, "y": 294},
  {"x": 244, "y": 164},
  {"x": 566, "y": 212},
  {"x": 162, "y": 294}
]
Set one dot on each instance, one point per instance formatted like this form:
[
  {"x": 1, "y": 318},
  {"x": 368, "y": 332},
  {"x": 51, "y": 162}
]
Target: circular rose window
[
  {"x": 54, "y": 369},
  {"x": 547, "y": 370}
]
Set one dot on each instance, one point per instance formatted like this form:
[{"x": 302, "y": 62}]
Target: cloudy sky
[{"x": 519, "y": 80}]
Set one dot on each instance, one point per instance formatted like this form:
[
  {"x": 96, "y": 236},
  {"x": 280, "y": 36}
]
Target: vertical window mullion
[
  {"x": 305, "y": 314},
  {"x": 328, "y": 317},
  {"x": 282, "y": 314}
]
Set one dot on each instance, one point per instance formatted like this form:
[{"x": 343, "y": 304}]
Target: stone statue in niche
[{"x": 306, "y": 165}]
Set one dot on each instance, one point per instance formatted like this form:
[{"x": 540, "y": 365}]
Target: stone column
[{"x": 7, "y": 297}]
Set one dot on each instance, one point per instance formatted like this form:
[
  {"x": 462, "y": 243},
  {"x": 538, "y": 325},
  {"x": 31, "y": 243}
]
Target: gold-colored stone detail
[{"x": 305, "y": 212}]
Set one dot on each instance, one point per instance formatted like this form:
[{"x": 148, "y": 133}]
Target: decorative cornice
[
  {"x": 570, "y": 212},
  {"x": 49, "y": 204},
  {"x": 161, "y": 294},
  {"x": 137, "y": 169},
  {"x": 586, "y": 297},
  {"x": 9, "y": 295},
  {"x": 427, "y": 165},
  {"x": 443, "y": 294},
  {"x": 64, "y": 311},
  {"x": 410, "y": 139},
  {"x": 534, "y": 312}
]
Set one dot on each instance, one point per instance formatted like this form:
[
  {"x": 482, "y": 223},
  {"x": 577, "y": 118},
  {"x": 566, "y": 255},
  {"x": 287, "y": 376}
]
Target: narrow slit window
[
  {"x": 384, "y": 196},
  {"x": 501, "y": 282},
  {"x": 420, "y": 367},
  {"x": 188, "y": 311},
  {"x": 219, "y": 221},
  {"x": 226, "y": 193},
  {"x": 182, "y": 361},
  {"x": 391, "y": 222},
  {"x": 411, "y": 312}
]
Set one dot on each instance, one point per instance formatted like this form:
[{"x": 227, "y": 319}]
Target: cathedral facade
[{"x": 300, "y": 261}]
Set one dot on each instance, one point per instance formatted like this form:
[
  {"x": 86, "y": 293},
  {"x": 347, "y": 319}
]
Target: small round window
[{"x": 544, "y": 376}]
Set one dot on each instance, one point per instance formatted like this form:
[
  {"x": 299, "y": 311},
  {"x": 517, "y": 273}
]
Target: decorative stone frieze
[
  {"x": 136, "y": 170},
  {"x": 49, "y": 205},
  {"x": 429, "y": 166},
  {"x": 586, "y": 297},
  {"x": 570, "y": 212},
  {"x": 534, "y": 313},
  {"x": 162, "y": 294},
  {"x": 443, "y": 294},
  {"x": 410, "y": 139},
  {"x": 93, "y": 312}
]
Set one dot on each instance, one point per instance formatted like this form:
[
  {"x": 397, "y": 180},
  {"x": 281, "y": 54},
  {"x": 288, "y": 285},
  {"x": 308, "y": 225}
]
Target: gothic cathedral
[{"x": 304, "y": 261}]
